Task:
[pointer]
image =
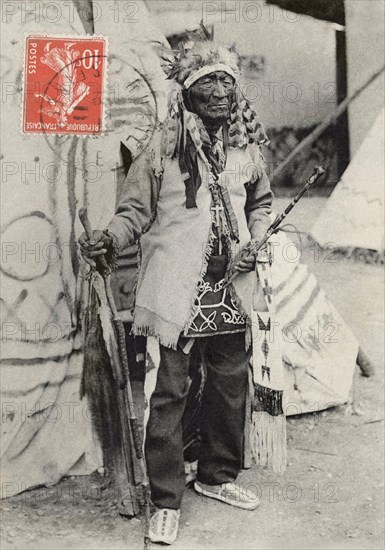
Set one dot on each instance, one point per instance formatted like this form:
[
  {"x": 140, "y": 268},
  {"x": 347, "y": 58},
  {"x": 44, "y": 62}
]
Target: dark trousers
[{"x": 223, "y": 416}]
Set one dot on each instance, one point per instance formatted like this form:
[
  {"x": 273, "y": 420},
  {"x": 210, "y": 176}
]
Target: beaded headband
[{"x": 208, "y": 69}]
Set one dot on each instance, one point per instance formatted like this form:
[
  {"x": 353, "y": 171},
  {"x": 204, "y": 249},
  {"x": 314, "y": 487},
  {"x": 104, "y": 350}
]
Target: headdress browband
[{"x": 208, "y": 69}]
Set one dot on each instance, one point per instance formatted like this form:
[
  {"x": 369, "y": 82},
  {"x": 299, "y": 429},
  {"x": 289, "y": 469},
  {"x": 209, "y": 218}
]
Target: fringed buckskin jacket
[{"x": 175, "y": 240}]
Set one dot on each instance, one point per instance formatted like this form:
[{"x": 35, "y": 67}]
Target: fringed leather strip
[{"x": 268, "y": 441}]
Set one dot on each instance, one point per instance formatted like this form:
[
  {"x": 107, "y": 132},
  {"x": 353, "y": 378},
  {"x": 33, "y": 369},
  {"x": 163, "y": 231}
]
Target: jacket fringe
[
  {"x": 147, "y": 323},
  {"x": 192, "y": 311}
]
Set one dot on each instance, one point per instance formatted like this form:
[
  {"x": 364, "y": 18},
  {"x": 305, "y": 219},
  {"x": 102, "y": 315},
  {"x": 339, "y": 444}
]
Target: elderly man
[{"x": 193, "y": 200}]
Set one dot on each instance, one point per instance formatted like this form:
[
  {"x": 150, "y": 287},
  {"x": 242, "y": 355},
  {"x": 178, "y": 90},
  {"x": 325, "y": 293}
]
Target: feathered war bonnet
[{"x": 195, "y": 59}]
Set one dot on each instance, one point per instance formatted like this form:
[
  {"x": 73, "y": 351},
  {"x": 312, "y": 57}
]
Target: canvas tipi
[{"x": 354, "y": 214}]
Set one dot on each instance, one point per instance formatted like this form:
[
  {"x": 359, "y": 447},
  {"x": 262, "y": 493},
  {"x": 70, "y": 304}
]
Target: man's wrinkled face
[{"x": 210, "y": 97}]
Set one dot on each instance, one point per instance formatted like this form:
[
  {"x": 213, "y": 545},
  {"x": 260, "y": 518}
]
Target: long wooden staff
[
  {"x": 255, "y": 246},
  {"x": 125, "y": 383}
]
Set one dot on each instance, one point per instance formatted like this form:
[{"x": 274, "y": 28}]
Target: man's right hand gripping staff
[{"x": 99, "y": 246}]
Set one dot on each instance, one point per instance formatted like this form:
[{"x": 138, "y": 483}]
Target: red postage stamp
[{"x": 64, "y": 85}]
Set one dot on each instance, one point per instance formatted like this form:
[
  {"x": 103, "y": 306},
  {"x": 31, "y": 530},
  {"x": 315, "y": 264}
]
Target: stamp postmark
[{"x": 64, "y": 85}]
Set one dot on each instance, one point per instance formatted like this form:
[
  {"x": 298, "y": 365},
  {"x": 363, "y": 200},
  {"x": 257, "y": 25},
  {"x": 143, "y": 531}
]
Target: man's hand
[
  {"x": 246, "y": 263},
  {"x": 248, "y": 257},
  {"x": 92, "y": 250}
]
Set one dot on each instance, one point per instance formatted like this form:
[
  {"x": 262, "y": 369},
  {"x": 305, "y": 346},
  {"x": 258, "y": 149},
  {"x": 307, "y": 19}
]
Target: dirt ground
[{"x": 331, "y": 496}]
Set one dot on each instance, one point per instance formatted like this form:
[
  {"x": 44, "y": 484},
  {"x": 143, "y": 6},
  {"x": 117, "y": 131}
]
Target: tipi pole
[{"x": 325, "y": 124}]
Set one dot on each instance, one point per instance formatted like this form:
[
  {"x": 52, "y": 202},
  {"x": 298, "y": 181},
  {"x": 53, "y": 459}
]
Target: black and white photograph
[{"x": 192, "y": 274}]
